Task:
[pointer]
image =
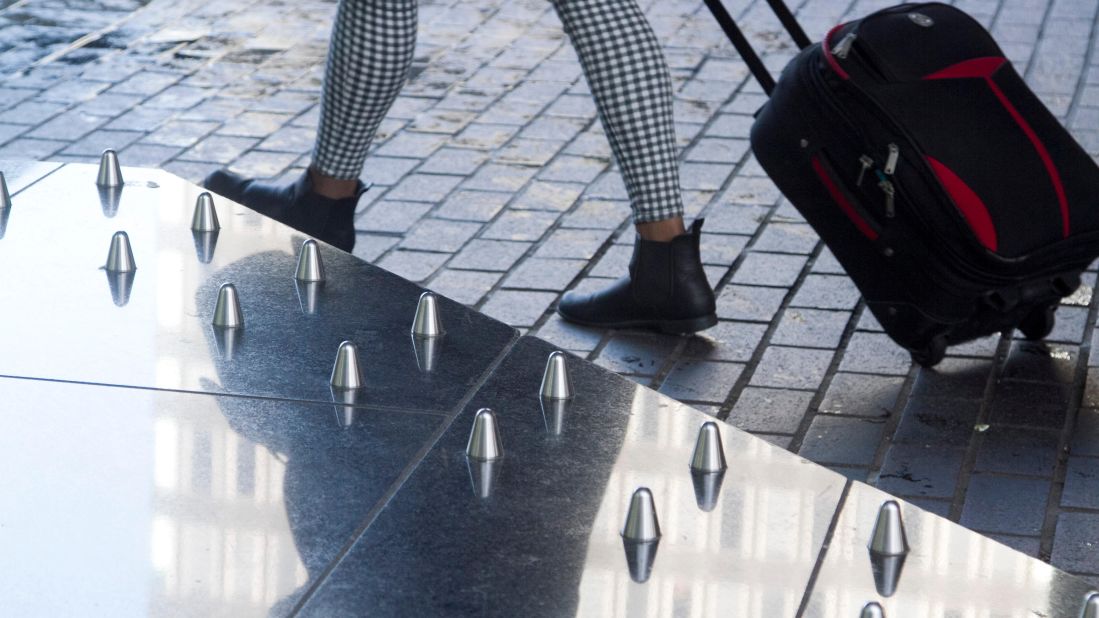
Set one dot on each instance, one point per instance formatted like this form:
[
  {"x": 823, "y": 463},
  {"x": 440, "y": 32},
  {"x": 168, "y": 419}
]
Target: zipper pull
[
  {"x": 890, "y": 196},
  {"x": 891, "y": 160},
  {"x": 867, "y": 163},
  {"x": 844, "y": 46}
]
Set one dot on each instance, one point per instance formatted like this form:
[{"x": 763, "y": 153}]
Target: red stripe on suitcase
[
  {"x": 826, "y": 47},
  {"x": 973, "y": 209},
  {"x": 984, "y": 68},
  {"x": 841, "y": 199}
]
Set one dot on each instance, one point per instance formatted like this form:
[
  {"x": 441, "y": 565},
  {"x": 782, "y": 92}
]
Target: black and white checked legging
[{"x": 370, "y": 56}]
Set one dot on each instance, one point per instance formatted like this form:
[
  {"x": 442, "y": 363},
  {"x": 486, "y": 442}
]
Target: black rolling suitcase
[{"x": 953, "y": 198}]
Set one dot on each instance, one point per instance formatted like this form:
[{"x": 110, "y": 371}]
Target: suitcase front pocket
[{"x": 848, "y": 204}]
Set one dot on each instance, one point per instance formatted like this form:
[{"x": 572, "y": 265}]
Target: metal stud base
[
  {"x": 484, "y": 439},
  {"x": 120, "y": 258},
  {"x": 110, "y": 172},
  {"x": 227, "y": 313}
]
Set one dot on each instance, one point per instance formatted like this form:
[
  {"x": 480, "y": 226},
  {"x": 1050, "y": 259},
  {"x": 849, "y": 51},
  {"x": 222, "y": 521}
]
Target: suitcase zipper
[
  {"x": 891, "y": 160},
  {"x": 844, "y": 46},
  {"x": 867, "y": 163}
]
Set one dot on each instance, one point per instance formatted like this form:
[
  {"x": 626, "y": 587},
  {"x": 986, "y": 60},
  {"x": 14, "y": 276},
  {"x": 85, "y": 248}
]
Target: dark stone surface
[{"x": 1005, "y": 504}]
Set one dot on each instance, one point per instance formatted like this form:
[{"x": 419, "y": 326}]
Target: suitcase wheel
[
  {"x": 1038, "y": 323},
  {"x": 931, "y": 354}
]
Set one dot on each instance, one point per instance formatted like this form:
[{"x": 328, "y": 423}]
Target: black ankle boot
[
  {"x": 296, "y": 205},
  {"x": 665, "y": 289}
]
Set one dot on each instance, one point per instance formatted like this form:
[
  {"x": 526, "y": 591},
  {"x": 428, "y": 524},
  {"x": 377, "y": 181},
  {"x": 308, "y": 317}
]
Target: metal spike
[
  {"x": 309, "y": 293},
  {"x": 121, "y": 284},
  {"x": 110, "y": 172},
  {"x": 109, "y": 199},
  {"x": 1091, "y": 606},
  {"x": 640, "y": 558},
  {"x": 427, "y": 323},
  {"x": 483, "y": 475},
  {"x": 887, "y": 572},
  {"x": 227, "y": 313},
  {"x": 427, "y": 352},
  {"x": 205, "y": 243},
  {"x": 709, "y": 455},
  {"x": 346, "y": 374},
  {"x": 5, "y": 197},
  {"x": 872, "y": 610},
  {"x": 205, "y": 218},
  {"x": 310, "y": 266},
  {"x": 888, "y": 538},
  {"x": 555, "y": 381},
  {"x": 120, "y": 258},
  {"x": 484, "y": 439},
  {"x": 641, "y": 523},
  {"x": 707, "y": 488},
  {"x": 553, "y": 412}
]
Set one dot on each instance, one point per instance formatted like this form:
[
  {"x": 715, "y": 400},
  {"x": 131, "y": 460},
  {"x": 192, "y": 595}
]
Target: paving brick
[
  {"x": 694, "y": 380},
  {"x": 861, "y": 395},
  {"x": 724, "y": 218},
  {"x": 391, "y": 216},
  {"x": 1081, "y": 483},
  {"x": 704, "y": 176},
  {"x": 497, "y": 177},
  {"x": 518, "y": 308},
  {"x": 219, "y": 149},
  {"x": 262, "y": 164},
  {"x": 787, "y": 238},
  {"x": 728, "y": 341},
  {"x": 718, "y": 150},
  {"x": 791, "y": 368},
  {"x": 181, "y": 133},
  {"x": 451, "y": 161},
  {"x": 721, "y": 249},
  {"x": 730, "y": 125},
  {"x": 769, "y": 410},
  {"x": 810, "y": 328},
  {"x": 826, "y": 292},
  {"x": 921, "y": 470},
  {"x": 494, "y": 255},
  {"x": 1074, "y": 542},
  {"x": 826, "y": 263},
  {"x": 25, "y": 148},
  {"x": 635, "y": 353},
  {"x": 484, "y": 136},
  {"x": 1030, "y": 405},
  {"x": 749, "y": 190},
  {"x": 769, "y": 269},
  {"x": 1069, "y": 326},
  {"x": 1004, "y": 504},
  {"x": 573, "y": 169},
  {"x": 569, "y": 243},
  {"x": 423, "y": 188},
  {"x": 370, "y": 247},
  {"x": 609, "y": 186},
  {"x": 934, "y": 421},
  {"x": 96, "y": 142},
  {"x": 140, "y": 119},
  {"x": 985, "y": 347},
  {"x": 1029, "y": 545},
  {"x": 1012, "y": 450},
  {"x": 254, "y": 124},
  {"x": 837, "y": 440},
  {"x": 783, "y": 442},
  {"x": 544, "y": 274},
  {"x": 69, "y": 126},
  {"x": 932, "y": 505},
  {"x": 147, "y": 155},
  {"x": 179, "y": 97},
  {"x": 568, "y": 336},
  {"x": 953, "y": 378},
  {"x": 874, "y": 353},
  {"x": 465, "y": 286},
  {"x": 553, "y": 196},
  {"x": 598, "y": 214},
  {"x": 1041, "y": 362},
  {"x": 413, "y": 265},
  {"x": 145, "y": 82},
  {"x": 472, "y": 205},
  {"x": 741, "y": 302},
  {"x": 440, "y": 235}
]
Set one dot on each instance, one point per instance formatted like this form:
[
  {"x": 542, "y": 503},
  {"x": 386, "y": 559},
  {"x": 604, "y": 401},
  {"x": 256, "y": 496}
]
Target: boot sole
[{"x": 671, "y": 327}]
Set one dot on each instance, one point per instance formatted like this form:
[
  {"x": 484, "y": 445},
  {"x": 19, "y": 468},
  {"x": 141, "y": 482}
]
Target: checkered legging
[{"x": 371, "y": 52}]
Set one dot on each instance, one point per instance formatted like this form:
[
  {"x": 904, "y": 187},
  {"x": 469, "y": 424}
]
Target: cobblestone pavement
[{"x": 495, "y": 187}]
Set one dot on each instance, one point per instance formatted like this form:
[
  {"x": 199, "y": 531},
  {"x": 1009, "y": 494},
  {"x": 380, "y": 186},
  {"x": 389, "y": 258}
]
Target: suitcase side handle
[{"x": 744, "y": 48}]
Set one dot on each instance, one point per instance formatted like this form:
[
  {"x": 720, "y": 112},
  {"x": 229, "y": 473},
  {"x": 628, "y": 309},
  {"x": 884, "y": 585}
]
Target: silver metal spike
[
  {"x": 483, "y": 475},
  {"x": 110, "y": 172},
  {"x": 707, "y": 489},
  {"x": 872, "y": 610},
  {"x": 120, "y": 258},
  {"x": 484, "y": 439},
  {"x": 346, "y": 373},
  {"x": 888, "y": 538},
  {"x": 121, "y": 284},
  {"x": 640, "y": 558},
  {"x": 205, "y": 243},
  {"x": 1091, "y": 606},
  {"x": 709, "y": 455},
  {"x": 427, "y": 352},
  {"x": 309, "y": 294},
  {"x": 553, "y": 412},
  {"x": 426, "y": 322},
  {"x": 887, "y": 572},
  {"x": 641, "y": 523},
  {"x": 5, "y": 197},
  {"x": 555, "y": 381},
  {"x": 205, "y": 218},
  {"x": 310, "y": 266},
  {"x": 227, "y": 313}
]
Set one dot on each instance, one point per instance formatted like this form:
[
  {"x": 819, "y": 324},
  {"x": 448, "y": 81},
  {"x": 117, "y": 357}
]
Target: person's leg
[
  {"x": 666, "y": 286},
  {"x": 368, "y": 62}
]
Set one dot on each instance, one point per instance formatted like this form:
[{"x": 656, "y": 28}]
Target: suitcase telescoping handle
[{"x": 744, "y": 48}]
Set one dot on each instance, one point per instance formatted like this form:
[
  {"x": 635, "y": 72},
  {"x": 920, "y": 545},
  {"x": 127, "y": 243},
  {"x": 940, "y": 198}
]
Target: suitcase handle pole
[
  {"x": 782, "y": 12},
  {"x": 743, "y": 47}
]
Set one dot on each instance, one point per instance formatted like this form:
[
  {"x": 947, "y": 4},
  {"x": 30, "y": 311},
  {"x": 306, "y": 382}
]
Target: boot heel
[{"x": 691, "y": 325}]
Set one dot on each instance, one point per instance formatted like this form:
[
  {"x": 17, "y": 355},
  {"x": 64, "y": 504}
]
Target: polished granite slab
[
  {"x": 131, "y": 502},
  {"x": 949, "y": 571},
  {"x": 545, "y": 541},
  {"x": 68, "y": 319}
]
